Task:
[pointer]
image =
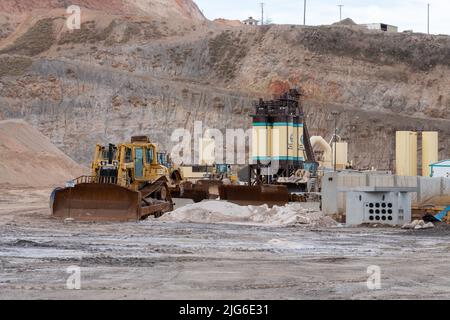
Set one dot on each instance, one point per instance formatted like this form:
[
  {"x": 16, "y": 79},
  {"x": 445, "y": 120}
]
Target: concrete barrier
[
  {"x": 402, "y": 181},
  {"x": 428, "y": 188},
  {"x": 446, "y": 186},
  {"x": 334, "y": 199},
  {"x": 376, "y": 180}
]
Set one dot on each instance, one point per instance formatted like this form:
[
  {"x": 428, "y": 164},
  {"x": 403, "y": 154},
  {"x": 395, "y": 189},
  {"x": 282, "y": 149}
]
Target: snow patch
[{"x": 219, "y": 212}]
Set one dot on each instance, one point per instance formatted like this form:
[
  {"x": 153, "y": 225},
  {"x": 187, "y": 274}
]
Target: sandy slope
[{"x": 28, "y": 158}]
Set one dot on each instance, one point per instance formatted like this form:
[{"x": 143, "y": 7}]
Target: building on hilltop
[
  {"x": 371, "y": 26},
  {"x": 381, "y": 27},
  {"x": 250, "y": 22}
]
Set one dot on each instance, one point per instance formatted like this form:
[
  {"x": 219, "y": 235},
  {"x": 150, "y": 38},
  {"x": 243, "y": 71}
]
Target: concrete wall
[
  {"x": 428, "y": 188},
  {"x": 333, "y": 200},
  {"x": 446, "y": 186}
]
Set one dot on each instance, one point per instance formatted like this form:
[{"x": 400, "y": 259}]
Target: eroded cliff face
[
  {"x": 118, "y": 77},
  {"x": 164, "y": 8}
]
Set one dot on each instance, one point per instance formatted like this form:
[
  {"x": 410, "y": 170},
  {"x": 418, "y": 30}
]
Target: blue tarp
[{"x": 443, "y": 214}]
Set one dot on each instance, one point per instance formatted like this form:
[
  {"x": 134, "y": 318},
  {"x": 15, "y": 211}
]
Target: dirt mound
[
  {"x": 28, "y": 158},
  {"x": 345, "y": 22},
  {"x": 220, "y": 212},
  {"x": 226, "y": 22}
]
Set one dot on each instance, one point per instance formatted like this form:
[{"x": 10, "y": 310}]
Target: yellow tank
[
  {"x": 341, "y": 155},
  {"x": 281, "y": 141},
  {"x": 430, "y": 151},
  {"x": 292, "y": 142},
  {"x": 406, "y": 153},
  {"x": 261, "y": 141},
  {"x": 300, "y": 146}
]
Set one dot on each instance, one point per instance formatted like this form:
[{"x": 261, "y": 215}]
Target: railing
[{"x": 95, "y": 179}]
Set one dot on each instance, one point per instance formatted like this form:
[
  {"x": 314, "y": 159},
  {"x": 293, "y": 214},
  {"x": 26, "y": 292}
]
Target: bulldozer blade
[
  {"x": 211, "y": 187},
  {"x": 255, "y": 195},
  {"x": 97, "y": 202},
  {"x": 188, "y": 190}
]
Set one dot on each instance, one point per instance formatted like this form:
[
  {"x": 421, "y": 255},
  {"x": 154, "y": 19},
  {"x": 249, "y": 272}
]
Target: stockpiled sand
[
  {"x": 224, "y": 212},
  {"x": 29, "y": 159}
]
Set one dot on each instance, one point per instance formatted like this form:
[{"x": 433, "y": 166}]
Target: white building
[
  {"x": 381, "y": 27},
  {"x": 250, "y": 22},
  {"x": 440, "y": 169}
]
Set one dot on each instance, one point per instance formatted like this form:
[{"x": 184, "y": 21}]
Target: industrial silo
[
  {"x": 406, "y": 153},
  {"x": 261, "y": 135},
  {"x": 430, "y": 151}
]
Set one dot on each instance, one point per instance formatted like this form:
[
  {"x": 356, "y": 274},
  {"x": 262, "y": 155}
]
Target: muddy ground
[{"x": 156, "y": 260}]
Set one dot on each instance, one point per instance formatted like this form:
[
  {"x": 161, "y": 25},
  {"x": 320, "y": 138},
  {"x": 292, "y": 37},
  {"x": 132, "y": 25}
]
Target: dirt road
[{"x": 157, "y": 260}]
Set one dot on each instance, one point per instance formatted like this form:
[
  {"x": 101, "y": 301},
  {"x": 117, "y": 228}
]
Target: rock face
[
  {"x": 165, "y": 8},
  {"x": 26, "y": 6},
  {"x": 152, "y": 73}
]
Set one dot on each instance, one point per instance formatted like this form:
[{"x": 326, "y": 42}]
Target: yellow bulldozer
[{"x": 127, "y": 183}]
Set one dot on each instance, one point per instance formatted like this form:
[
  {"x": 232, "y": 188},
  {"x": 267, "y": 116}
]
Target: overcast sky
[{"x": 407, "y": 14}]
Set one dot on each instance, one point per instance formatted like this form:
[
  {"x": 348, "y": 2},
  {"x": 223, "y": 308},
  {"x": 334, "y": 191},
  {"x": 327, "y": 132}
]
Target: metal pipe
[
  {"x": 304, "y": 13},
  {"x": 340, "y": 11},
  {"x": 335, "y": 144},
  {"x": 335, "y": 114},
  {"x": 262, "y": 13}
]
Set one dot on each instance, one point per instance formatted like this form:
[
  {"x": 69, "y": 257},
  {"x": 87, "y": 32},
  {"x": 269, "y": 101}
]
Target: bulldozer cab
[
  {"x": 143, "y": 157},
  {"x": 138, "y": 163},
  {"x": 145, "y": 163},
  {"x": 130, "y": 164}
]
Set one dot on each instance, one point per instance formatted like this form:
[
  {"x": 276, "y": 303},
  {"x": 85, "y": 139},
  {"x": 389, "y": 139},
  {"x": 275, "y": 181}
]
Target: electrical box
[{"x": 379, "y": 205}]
